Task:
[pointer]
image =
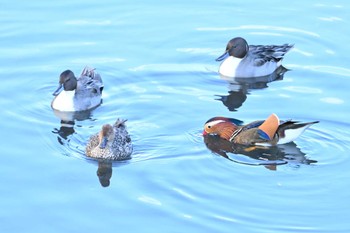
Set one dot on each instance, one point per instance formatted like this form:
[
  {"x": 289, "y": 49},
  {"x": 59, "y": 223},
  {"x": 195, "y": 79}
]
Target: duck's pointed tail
[
  {"x": 88, "y": 71},
  {"x": 291, "y": 130},
  {"x": 119, "y": 122}
]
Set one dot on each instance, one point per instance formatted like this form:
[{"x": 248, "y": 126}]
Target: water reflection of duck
[
  {"x": 104, "y": 172},
  {"x": 105, "y": 169},
  {"x": 68, "y": 120},
  {"x": 239, "y": 88},
  {"x": 269, "y": 157},
  {"x": 241, "y": 60}
]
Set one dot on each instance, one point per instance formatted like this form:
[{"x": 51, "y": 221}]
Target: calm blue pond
[{"x": 157, "y": 61}]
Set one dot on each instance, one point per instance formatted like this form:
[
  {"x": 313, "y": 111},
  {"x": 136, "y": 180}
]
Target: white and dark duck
[
  {"x": 246, "y": 61},
  {"x": 78, "y": 94}
]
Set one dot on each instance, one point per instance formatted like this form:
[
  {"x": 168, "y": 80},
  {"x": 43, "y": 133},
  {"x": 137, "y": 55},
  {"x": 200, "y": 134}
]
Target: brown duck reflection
[
  {"x": 269, "y": 157},
  {"x": 240, "y": 87},
  {"x": 104, "y": 172},
  {"x": 105, "y": 169}
]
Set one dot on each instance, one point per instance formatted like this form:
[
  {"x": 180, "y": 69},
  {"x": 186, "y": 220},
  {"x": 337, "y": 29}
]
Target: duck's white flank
[
  {"x": 292, "y": 134},
  {"x": 242, "y": 68}
]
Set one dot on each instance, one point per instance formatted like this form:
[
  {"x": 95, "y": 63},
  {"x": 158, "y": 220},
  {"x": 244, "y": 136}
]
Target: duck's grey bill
[
  {"x": 58, "y": 90},
  {"x": 103, "y": 143},
  {"x": 222, "y": 57}
]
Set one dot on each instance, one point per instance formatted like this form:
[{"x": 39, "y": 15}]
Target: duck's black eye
[{"x": 209, "y": 126}]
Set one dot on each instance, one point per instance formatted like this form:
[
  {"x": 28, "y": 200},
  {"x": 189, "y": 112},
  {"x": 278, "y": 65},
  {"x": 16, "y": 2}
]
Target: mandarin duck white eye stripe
[{"x": 210, "y": 124}]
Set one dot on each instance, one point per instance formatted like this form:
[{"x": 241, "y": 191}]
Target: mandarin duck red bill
[{"x": 271, "y": 131}]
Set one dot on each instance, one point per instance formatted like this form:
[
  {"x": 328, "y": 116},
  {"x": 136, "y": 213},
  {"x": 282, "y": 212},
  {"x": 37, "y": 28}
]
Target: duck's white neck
[
  {"x": 229, "y": 65},
  {"x": 64, "y": 101}
]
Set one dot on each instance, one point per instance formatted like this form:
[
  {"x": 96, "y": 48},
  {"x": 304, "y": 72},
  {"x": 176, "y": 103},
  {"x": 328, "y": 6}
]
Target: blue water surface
[{"x": 157, "y": 61}]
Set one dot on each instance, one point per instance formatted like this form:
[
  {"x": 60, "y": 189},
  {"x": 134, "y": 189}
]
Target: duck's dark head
[
  {"x": 67, "y": 80},
  {"x": 236, "y": 47}
]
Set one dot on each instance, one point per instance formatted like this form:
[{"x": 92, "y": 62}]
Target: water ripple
[
  {"x": 323, "y": 142},
  {"x": 260, "y": 27},
  {"x": 341, "y": 71},
  {"x": 166, "y": 84}
]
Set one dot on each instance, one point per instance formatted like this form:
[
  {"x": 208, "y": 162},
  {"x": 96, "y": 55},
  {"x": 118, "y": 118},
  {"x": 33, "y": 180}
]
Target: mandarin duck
[{"x": 268, "y": 132}]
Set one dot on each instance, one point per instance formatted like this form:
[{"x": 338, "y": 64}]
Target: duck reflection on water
[
  {"x": 68, "y": 120},
  {"x": 104, "y": 172},
  {"x": 239, "y": 88},
  {"x": 268, "y": 156},
  {"x": 105, "y": 169}
]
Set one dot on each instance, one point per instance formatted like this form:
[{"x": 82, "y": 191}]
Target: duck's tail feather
[
  {"x": 290, "y": 130},
  {"x": 120, "y": 122}
]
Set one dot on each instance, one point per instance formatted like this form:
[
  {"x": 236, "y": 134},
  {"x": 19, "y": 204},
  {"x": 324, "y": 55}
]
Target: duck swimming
[
  {"x": 111, "y": 143},
  {"x": 241, "y": 60},
  {"x": 78, "y": 94},
  {"x": 267, "y": 132}
]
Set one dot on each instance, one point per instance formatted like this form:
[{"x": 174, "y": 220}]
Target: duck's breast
[
  {"x": 229, "y": 66},
  {"x": 64, "y": 101}
]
